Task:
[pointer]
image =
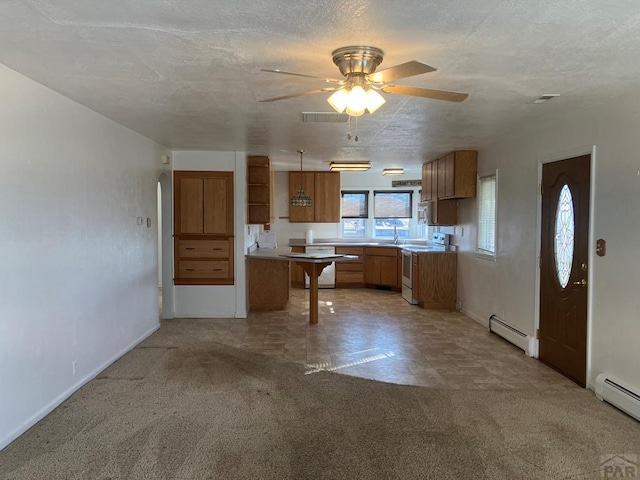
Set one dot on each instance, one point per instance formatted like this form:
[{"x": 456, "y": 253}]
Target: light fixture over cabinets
[
  {"x": 301, "y": 198},
  {"x": 349, "y": 166},
  {"x": 393, "y": 171}
]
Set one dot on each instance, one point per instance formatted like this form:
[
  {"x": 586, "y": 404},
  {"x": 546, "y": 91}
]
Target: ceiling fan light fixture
[
  {"x": 349, "y": 166},
  {"x": 374, "y": 100},
  {"x": 356, "y": 101},
  {"x": 393, "y": 171},
  {"x": 339, "y": 100}
]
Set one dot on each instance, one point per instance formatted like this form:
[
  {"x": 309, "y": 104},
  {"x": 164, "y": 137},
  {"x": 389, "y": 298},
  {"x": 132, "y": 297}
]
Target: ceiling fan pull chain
[
  {"x": 349, "y": 128},
  {"x": 356, "y": 129}
]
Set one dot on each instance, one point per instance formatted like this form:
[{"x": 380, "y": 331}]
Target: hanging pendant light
[{"x": 301, "y": 199}]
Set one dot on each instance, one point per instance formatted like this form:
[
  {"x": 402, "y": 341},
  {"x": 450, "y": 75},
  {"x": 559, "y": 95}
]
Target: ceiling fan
[{"x": 359, "y": 89}]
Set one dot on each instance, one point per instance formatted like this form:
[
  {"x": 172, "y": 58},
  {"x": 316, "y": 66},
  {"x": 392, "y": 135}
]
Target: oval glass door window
[{"x": 565, "y": 228}]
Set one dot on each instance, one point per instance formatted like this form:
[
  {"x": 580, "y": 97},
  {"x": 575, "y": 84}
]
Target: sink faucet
[{"x": 395, "y": 235}]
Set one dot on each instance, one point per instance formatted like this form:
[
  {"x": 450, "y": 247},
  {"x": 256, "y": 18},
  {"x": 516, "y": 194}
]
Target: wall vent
[
  {"x": 622, "y": 397},
  {"x": 324, "y": 117}
]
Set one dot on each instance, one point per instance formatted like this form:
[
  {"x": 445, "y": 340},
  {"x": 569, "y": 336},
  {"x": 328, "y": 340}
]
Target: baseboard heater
[
  {"x": 509, "y": 333},
  {"x": 611, "y": 391}
]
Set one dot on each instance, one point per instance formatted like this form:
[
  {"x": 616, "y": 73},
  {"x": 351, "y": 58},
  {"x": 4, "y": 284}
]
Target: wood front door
[{"x": 564, "y": 266}]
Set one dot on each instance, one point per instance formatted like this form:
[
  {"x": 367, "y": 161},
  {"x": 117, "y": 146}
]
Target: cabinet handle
[
  {"x": 216, "y": 249},
  {"x": 191, "y": 269},
  {"x": 216, "y": 269},
  {"x": 190, "y": 248}
]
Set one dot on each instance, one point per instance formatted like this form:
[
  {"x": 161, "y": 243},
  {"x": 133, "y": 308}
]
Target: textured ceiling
[{"x": 187, "y": 73}]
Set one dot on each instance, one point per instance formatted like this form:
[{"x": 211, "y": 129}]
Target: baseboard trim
[
  {"x": 4, "y": 442},
  {"x": 477, "y": 318}
]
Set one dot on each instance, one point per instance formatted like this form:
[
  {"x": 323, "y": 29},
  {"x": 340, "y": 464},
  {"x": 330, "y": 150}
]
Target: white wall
[
  {"x": 79, "y": 275},
  {"x": 508, "y": 286},
  {"x": 219, "y": 301}
]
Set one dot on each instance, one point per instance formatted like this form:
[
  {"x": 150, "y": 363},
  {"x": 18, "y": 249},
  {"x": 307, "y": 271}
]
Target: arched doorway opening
[{"x": 165, "y": 270}]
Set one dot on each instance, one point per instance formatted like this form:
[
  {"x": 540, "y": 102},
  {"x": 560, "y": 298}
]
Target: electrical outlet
[{"x": 74, "y": 366}]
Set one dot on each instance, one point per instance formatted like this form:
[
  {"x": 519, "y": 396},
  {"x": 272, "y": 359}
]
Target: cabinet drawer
[
  {"x": 203, "y": 269},
  {"x": 352, "y": 266},
  {"x": 382, "y": 251},
  {"x": 350, "y": 250},
  {"x": 350, "y": 278},
  {"x": 203, "y": 248}
]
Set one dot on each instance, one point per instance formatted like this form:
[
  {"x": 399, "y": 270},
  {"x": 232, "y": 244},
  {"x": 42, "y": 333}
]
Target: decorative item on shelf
[
  {"x": 393, "y": 171},
  {"x": 301, "y": 198},
  {"x": 349, "y": 166},
  {"x": 406, "y": 183}
]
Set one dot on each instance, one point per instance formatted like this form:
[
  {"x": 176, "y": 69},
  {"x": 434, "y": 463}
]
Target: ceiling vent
[
  {"x": 324, "y": 117},
  {"x": 545, "y": 97}
]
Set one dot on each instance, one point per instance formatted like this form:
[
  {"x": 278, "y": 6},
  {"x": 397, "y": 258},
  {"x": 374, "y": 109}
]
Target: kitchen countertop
[
  {"x": 284, "y": 253},
  {"x": 411, "y": 247}
]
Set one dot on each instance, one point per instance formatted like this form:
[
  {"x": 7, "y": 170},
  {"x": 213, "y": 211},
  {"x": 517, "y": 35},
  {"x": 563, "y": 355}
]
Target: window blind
[
  {"x": 392, "y": 204},
  {"x": 487, "y": 214},
  {"x": 355, "y": 204}
]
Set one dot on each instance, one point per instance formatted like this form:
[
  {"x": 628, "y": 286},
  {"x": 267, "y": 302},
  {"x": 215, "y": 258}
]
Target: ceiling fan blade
[
  {"x": 403, "y": 70},
  {"x": 328, "y": 89},
  {"x": 328, "y": 80},
  {"x": 425, "y": 93}
]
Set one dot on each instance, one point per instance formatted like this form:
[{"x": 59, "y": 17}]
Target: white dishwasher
[{"x": 327, "y": 278}]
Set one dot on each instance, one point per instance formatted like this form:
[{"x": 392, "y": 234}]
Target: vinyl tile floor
[{"x": 376, "y": 334}]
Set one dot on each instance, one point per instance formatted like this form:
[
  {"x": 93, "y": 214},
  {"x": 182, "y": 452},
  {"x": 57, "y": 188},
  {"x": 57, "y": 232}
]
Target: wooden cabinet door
[
  {"x": 327, "y": 197},
  {"x": 446, "y": 176},
  {"x": 438, "y": 279},
  {"x": 428, "y": 174},
  {"x": 304, "y": 180},
  {"x": 372, "y": 270},
  {"x": 389, "y": 271},
  {"x": 190, "y": 195},
  {"x": 465, "y": 173},
  {"x": 217, "y": 205},
  {"x": 444, "y": 212}
]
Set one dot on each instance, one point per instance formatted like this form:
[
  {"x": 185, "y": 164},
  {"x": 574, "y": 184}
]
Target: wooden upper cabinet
[
  {"x": 427, "y": 186},
  {"x": 324, "y": 190},
  {"x": 190, "y": 212},
  {"x": 216, "y": 207},
  {"x": 327, "y": 197},
  {"x": 204, "y": 203},
  {"x": 457, "y": 174}
]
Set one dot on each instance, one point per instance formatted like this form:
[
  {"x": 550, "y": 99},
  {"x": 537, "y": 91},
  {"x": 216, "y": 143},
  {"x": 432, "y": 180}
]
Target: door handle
[{"x": 582, "y": 282}]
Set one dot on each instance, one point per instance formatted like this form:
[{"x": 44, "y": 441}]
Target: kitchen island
[{"x": 268, "y": 271}]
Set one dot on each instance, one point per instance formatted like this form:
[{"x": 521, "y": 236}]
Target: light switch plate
[{"x": 139, "y": 221}]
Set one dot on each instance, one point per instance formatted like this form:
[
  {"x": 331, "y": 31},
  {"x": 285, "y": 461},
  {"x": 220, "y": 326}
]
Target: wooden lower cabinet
[
  {"x": 203, "y": 261},
  {"x": 268, "y": 284},
  {"x": 437, "y": 280},
  {"x": 297, "y": 273},
  {"x": 350, "y": 274},
  {"x": 381, "y": 267}
]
